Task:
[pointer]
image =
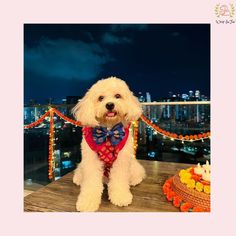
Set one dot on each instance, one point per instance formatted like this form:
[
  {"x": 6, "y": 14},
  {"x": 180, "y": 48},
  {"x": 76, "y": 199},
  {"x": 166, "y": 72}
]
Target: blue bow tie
[{"x": 116, "y": 134}]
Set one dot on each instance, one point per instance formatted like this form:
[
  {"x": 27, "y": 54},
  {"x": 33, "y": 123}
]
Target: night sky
[{"x": 66, "y": 59}]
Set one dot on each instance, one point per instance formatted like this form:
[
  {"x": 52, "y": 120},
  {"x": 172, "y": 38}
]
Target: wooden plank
[{"x": 61, "y": 195}]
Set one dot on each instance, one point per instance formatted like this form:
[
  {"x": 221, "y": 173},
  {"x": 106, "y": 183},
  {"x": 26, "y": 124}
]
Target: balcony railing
[{"x": 179, "y": 125}]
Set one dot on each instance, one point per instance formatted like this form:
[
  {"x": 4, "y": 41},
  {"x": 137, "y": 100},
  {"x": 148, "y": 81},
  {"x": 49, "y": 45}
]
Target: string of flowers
[
  {"x": 51, "y": 146},
  {"x": 177, "y": 201},
  {"x": 135, "y": 136},
  {"x": 163, "y": 132},
  {"x": 73, "y": 122},
  {"x": 37, "y": 122},
  {"x": 174, "y": 136}
]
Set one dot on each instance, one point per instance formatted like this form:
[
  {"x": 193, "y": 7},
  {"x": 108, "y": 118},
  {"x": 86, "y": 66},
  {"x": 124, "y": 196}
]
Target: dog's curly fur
[{"x": 126, "y": 170}]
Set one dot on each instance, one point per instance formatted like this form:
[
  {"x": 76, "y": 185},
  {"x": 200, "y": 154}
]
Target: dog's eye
[
  {"x": 117, "y": 96},
  {"x": 100, "y": 98}
]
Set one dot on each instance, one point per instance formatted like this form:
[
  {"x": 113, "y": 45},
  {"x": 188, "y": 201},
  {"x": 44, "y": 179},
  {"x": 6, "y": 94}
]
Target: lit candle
[
  {"x": 207, "y": 166},
  {"x": 198, "y": 170},
  {"x": 206, "y": 176}
]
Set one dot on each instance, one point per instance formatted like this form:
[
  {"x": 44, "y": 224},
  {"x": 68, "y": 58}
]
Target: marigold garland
[
  {"x": 135, "y": 136},
  {"x": 37, "y": 122},
  {"x": 77, "y": 123},
  {"x": 174, "y": 136},
  {"x": 143, "y": 118},
  {"x": 177, "y": 201},
  {"x": 51, "y": 148}
]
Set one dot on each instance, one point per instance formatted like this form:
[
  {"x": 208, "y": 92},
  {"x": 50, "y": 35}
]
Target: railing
[
  {"x": 172, "y": 131},
  {"x": 183, "y": 118}
]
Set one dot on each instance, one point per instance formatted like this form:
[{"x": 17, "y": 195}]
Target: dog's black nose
[{"x": 110, "y": 106}]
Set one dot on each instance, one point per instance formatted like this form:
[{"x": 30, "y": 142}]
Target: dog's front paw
[
  {"x": 137, "y": 179},
  {"x": 121, "y": 198},
  {"x": 137, "y": 173},
  {"x": 87, "y": 202}
]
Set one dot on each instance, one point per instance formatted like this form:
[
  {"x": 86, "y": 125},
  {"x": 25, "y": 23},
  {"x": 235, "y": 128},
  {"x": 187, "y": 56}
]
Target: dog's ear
[
  {"x": 84, "y": 111},
  {"x": 135, "y": 108}
]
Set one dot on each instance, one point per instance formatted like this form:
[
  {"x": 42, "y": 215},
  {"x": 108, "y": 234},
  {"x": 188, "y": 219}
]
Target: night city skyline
[{"x": 65, "y": 60}]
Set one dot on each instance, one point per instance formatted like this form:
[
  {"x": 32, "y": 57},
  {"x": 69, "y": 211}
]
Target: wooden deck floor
[{"x": 61, "y": 195}]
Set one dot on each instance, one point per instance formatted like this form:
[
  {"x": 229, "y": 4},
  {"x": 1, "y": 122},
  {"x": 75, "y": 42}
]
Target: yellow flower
[
  {"x": 183, "y": 180},
  {"x": 182, "y": 172},
  {"x": 185, "y": 174},
  {"x": 199, "y": 187},
  {"x": 191, "y": 183},
  {"x": 207, "y": 189}
]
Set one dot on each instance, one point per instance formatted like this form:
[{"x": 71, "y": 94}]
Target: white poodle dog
[{"x": 106, "y": 112}]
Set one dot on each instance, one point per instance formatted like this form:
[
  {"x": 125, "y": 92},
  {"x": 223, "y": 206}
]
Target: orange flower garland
[
  {"x": 177, "y": 201},
  {"x": 77, "y": 123},
  {"x": 175, "y": 136},
  {"x": 135, "y": 136},
  {"x": 37, "y": 122},
  {"x": 51, "y": 148}
]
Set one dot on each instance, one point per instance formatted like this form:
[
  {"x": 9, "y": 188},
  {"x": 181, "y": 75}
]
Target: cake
[{"x": 190, "y": 189}]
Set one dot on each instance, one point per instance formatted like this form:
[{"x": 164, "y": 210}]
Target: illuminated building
[
  {"x": 197, "y": 94},
  {"x": 185, "y": 96},
  {"x": 148, "y": 97},
  {"x": 191, "y": 95}
]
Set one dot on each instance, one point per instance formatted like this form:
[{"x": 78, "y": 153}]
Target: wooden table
[{"x": 61, "y": 195}]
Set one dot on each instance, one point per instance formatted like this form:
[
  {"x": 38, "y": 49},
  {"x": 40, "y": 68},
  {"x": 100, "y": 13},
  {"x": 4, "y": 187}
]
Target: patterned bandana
[{"x": 107, "y": 143}]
